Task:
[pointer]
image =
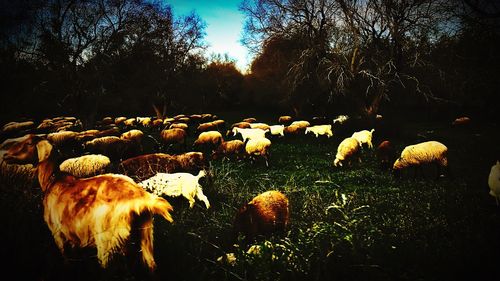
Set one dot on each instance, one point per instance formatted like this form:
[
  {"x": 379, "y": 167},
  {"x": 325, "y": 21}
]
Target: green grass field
[{"x": 350, "y": 223}]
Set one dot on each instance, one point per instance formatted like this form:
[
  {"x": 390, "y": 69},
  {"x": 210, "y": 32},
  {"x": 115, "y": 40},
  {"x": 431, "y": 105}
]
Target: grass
[{"x": 350, "y": 223}]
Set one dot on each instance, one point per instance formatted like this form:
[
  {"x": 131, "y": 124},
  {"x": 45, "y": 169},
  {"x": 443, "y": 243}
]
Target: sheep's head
[
  {"x": 29, "y": 151},
  {"x": 337, "y": 162}
]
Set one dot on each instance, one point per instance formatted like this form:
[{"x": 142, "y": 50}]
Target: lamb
[
  {"x": 347, "y": 149},
  {"x": 265, "y": 214},
  {"x": 208, "y": 140},
  {"x": 173, "y": 136},
  {"x": 86, "y": 166},
  {"x": 258, "y": 147},
  {"x": 249, "y": 133},
  {"x": 277, "y": 130},
  {"x": 177, "y": 184},
  {"x": 285, "y": 120},
  {"x": 420, "y": 154},
  {"x": 227, "y": 149},
  {"x": 320, "y": 130},
  {"x": 99, "y": 212},
  {"x": 494, "y": 181},
  {"x": 145, "y": 166},
  {"x": 364, "y": 137}
]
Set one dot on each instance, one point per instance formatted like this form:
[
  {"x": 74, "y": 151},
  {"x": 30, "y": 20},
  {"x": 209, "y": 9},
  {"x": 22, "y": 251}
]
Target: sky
[{"x": 224, "y": 26}]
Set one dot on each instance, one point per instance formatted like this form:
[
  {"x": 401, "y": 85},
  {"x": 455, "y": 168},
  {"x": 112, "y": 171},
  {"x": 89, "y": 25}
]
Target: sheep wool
[
  {"x": 318, "y": 130},
  {"x": 494, "y": 181},
  {"x": 86, "y": 165},
  {"x": 229, "y": 148},
  {"x": 258, "y": 147},
  {"x": 422, "y": 153},
  {"x": 277, "y": 130},
  {"x": 177, "y": 184},
  {"x": 346, "y": 150},
  {"x": 265, "y": 214}
]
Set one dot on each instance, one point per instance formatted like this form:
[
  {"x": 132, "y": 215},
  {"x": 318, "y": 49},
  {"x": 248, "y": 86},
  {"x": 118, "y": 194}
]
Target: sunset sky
[{"x": 224, "y": 26}]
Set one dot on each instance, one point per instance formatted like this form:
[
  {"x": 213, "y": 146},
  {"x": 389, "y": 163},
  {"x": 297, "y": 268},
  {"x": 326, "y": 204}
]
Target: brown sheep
[
  {"x": 265, "y": 214},
  {"x": 293, "y": 130},
  {"x": 386, "y": 154},
  {"x": 174, "y": 136},
  {"x": 208, "y": 126},
  {"x": 285, "y": 120},
  {"x": 228, "y": 149},
  {"x": 250, "y": 120},
  {"x": 462, "y": 122},
  {"x": 208, "y": 140},
  {"x": 100, "y": 212},
  {"x": 145, "y": 166}
]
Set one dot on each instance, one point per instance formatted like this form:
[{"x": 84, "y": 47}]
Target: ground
[{"x": 349, "y": 223}]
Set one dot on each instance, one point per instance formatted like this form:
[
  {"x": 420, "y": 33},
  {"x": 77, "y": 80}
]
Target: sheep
[
  {"x": 157, "y": 123},
  {"x": 113, "y": 147},
  {"x": 208, "y": 126},
  {"x": 227, "y": 149},
  {"x": 262, "y": 126},
  {"x": 385, "y": 154},
  {"x": 62, "y": 138},
  {"x": 242, "y": 125},
  {"x": 144, "y": 121},
  {"x": 249, "y": 133},
  {"x": 494, "y": 181},
  {"x": 183, "y": 126},
  {"x": 347, "y": 149},
  {"x": 120, "y": 120},
  {"x": 341, "y": 119},
  {"x": 174, "y": 136},
  {"x": 133, "y": 135},
  {"x": 461, "y": 122},
  {"x": 177, "y": 184},
  {"x": 258, "y": 147},
  {"x": 293, "y": 130},
  {"x": 13, "y": 127},
  {"x": 130, "y": 122},
  {"x": 249, "y": 120},
  {"x": 265, "y": 214},
  {"x": 320, "y": 130},
  {"x": 420, "y": 154},
  {"x": 301, "y": 124},
  {"x": 363, "y": 137},
  {"x": 86, "y": 165},
  {"x": 99, "y": 212},
  {"x": 208, "y": 140},
  {"x": 285, "y": 120},
  {"x": 277, "y": 130},
  {"x": 145, "y": 166}
]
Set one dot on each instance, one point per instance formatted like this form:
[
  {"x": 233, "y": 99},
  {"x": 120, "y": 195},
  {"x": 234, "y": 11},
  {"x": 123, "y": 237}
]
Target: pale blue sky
[{"x": 224, "y": 26}]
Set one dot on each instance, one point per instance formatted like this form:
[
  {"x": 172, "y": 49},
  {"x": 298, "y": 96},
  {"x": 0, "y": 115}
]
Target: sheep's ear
[{"x": 44, "y": 148}]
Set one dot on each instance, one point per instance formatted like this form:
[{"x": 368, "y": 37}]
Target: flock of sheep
[{"x": 101, "y": 184}]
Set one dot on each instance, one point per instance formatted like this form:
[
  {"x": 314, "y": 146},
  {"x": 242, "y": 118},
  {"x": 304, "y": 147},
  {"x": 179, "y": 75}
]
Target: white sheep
[
  {"x": 277, "y": 130},
  {"x": 494, "y": 181},
  {"x": 346, "y": 150},
  {"x": 258, "y": 147},
  {"x": 86, "y": 166},
  {"x": 249, "y": 133},
  {"x": 177, "y": 184},
  {"x": 422, "y": 153},
  {"x": 363, "y": 137},
  {"x": 341, "y": 119},
  {"x": 320, "y": 130}
]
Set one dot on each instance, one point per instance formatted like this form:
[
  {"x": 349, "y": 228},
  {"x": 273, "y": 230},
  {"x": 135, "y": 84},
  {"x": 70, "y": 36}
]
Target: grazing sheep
[
  {"x": 301, "y": 124},
  {"x": 249, "y": 120},
  {"x": 177, "y": 184},
  {"x": 385, "y": 154},
  {"x": 347, "y": 149},
  {"x": 120, "y": 120},
  {"x": 13, "y": 127},
  {"x": 494, "y": 181},
  {"x": 157, "y": 123},
  {"x": 293, "y": 130},
  {"x": 364, "y": 137},
  {"x": 228, "y": 149},
  {"x": 341, "y": 119},
  {"x": 462, "y": 122},
  {"x": 183, "y": 126},
  {"x": 208, "y": 126},
  {"x": 320, "y": 130},
  {"x": 144, "y": 121},
  {"x": 174, "y": 136},
  {"x": 86, "y": 166},
  {"x": 208, "y": 140},
  {"x": 242, "y": 125},
  {"x": 99, "y": 212},
  {"x": 113, "y": 147},
  {"x": 63, "y": 138},
  {"x": 265, "y": 214},
  {"x": 249, "y": 133},
  {"x": 145, "y": 166},
  {"x": 258, "y": 147},
  {"x": 420, "y": 154},
  {"x": 277, "y": 130},
  {"x": 130, "y": 122},
  {"x": 133, "y": 135},
  {"x": 262, "y": 126},
  {"x": 285, "y": 120}
]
